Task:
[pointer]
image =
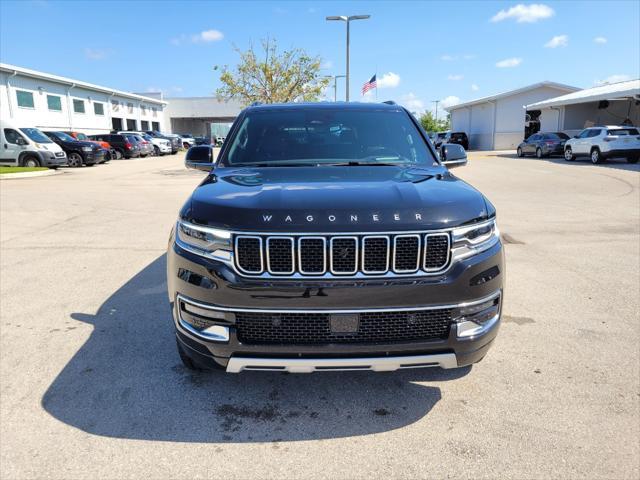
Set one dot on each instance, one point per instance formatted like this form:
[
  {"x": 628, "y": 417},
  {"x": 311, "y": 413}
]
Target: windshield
[
  {"x": 148, "y": 138},
  {"x": 81, "y": 136},
  {"x": 322, "y": 136},
  {"x": 36, "y": 135},
  {"x": 64, "y": 137}
]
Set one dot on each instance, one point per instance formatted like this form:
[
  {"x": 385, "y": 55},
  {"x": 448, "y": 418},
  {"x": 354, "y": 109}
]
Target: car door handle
[{"x": 6, "y": 146}]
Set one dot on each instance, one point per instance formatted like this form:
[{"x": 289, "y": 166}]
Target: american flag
[{"x": 370, "y": 85}]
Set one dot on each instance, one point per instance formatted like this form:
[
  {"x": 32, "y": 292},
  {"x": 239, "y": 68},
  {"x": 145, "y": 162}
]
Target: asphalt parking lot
[{"x": 92, "y": 387}]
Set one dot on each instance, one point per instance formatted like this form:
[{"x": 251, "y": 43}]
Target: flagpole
[{"x": 376, "y": 83}]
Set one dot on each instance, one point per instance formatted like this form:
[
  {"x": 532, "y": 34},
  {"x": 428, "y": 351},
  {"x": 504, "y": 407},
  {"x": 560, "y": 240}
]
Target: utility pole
[
  {"x": 436, "y": 102},
  {"x": 348, "y": 20}
]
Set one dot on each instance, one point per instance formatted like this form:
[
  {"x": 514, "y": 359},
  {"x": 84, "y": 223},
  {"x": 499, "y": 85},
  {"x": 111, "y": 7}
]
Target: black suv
[
  {"x": 125, "y": 145},
  {"x": 176, "y": 143},
  {"x": 451, "y": 137},
  {"x": 78, "y": 152},
  {"x": 331, "y": 237}
]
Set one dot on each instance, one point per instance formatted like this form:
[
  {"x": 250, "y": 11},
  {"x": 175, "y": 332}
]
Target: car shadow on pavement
[{"x": 127, "y": 381}]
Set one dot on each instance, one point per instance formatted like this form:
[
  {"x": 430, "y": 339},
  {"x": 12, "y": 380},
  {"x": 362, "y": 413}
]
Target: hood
[
  {"x": 82, "y": 143},
  {"x": 334, "y": 199}
]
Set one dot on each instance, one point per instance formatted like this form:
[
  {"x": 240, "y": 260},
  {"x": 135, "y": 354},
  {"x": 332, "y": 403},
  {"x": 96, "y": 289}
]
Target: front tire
[
  {"x": 539, "y": 153},
  {"x": 31, "y": 162},
  {"x": 568, "y": 155},
  {"x": 596, "y": 156},
  {"x": 519, "y": 152},
  {"x": 74, "y": 160},
  {"x": 156, "y": 151}
]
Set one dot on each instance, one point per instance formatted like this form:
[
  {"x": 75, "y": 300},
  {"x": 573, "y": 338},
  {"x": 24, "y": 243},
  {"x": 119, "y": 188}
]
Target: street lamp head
[
  {"x": 359, "y": 17},
  {"x": 338, "y": 17}
]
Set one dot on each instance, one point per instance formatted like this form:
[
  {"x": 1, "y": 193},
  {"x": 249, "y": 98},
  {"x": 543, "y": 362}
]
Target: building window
[
  {"x": 145, "y": 125},
  {"x": 98, "y": 108},
  {"x": 78, "y": 106},
  {"x": 143, "y": 109},
  {"x": 131, "y": 125},
  {"x": 116, "y": 123},
  {"x": 25, "y": 99},
  {"x": 130, "y": 107},
  {"x": 155, "y": 111},
  {"x": 155, "y": 126},
  {"x": 115, "y": 105},
  {"x": 54, "y": 103}
]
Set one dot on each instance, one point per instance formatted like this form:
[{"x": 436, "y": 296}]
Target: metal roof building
[
  {"x": 499, "y": 122},
  {"x": 610, "y": 104}
]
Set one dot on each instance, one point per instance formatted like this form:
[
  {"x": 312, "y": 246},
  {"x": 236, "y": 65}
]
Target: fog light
[
  {"x": 477, "y": 319},
  {"x": 203, "y": 322}
]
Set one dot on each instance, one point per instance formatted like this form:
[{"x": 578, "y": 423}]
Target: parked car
[
  {"x": 28, "y": 147},
  {"x": 602, "y": 142},
  {"x": 146, "y": 147},
  {"x": 174, "y": 139},
  {"x": 451, "y": 137},
  {"x": 187, "y": 140},
  {"x": 110, "y": 151},
  {"x": 160, "y": 145},
  {"x": 437, "y": 251},
  {"x": 78, "y": 152},
  {"x": 543, "y": 144},
  {"x": 202, "y": 140},
  {"x": 120, "y": 143}
]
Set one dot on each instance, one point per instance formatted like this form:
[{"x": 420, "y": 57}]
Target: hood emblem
[{"x": 349, "y": 218}]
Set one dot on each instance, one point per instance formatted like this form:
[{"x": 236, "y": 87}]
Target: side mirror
[
  {"x": 453, "y": 155},
  {"x": 21, "y": 141},
  {"x": 200, "y": 158}
]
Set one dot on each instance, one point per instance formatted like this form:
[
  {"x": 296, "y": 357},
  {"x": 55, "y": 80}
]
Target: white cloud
[
  {"x": 558, "y": 41},
  {"x": 412, "y": 102},
  {"x": 389, "y": 80},
  {"x": 509, "y": 62},
  {"x": 455, "y": 77},
  {"x": 449, "y": 101},
  {"x": 475, "y": 87},
  {"x": 469, "y": 56},
  {"x": 447, "y": 58},
  {"x": 97, "y": 54},
  {"x": 613, "y": 79},
  {"x": 525, "y": 13},
  {"x": 206, "y": 36},
  {"x": 600, "y": 40},
  {"x": 327, "y": 65}
]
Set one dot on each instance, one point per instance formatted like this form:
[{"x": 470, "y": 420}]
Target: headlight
[
  {"x": 87, "y": 149},
  {"x": 205, "y": 241},
  {"x": 474, "y": 239}
]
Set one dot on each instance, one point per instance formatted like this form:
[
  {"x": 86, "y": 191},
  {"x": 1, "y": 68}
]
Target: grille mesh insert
[
  {"x": 312, "y": 255},
  {"x": 375, "y": 257},
  {"x": 407, "y": 253},
  {"x": 315, "y": 328},
  {"x": 280, "y": 252},
  {"x": 343, "y": 257},
  {"x": 248, "y": 254},
  {"x": 436, "y": 251}
]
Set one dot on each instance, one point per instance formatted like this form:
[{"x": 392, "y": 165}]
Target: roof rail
[{"x": 390, "y": 102}]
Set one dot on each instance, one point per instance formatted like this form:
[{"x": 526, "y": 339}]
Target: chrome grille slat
[{"x": 342, "y": 255}]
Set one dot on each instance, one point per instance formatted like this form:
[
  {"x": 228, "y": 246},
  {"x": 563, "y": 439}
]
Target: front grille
[
  {"x": 342, "y": 255},
  {"x": 315, "y": 328}
]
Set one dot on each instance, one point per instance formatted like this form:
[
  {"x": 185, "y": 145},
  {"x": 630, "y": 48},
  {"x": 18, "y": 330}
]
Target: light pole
[
  {"x": 436, "y": 102},
  {"x": 335, "y": 85},
  {"x": 344, "y": 18}
]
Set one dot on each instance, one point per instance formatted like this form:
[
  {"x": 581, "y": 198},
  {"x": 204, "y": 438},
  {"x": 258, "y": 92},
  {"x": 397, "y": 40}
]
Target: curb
[{"x": 41, "y": 173}]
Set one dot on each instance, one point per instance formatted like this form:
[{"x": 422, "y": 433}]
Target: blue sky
[{"x": 421, "y": 51}]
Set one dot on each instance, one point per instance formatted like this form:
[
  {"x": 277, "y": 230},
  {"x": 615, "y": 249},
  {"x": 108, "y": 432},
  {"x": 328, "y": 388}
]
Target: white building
[
  {"x": 201, "y": 115},
  {"x": 610, "y": 104},
  {"x": 498, "y": 122},
  {"x": 47, "y": 101}
]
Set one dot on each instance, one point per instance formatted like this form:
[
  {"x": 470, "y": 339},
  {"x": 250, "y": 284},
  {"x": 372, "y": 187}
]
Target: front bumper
[
  {"x": 50, "y": 159},
  {"x": 213, "y": 286}
]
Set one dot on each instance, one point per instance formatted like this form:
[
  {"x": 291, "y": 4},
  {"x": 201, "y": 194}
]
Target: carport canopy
[{"x": 621, "y": 90}]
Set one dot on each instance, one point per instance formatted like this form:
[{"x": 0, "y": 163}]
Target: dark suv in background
[
  {"x": 78, "y": 152},
  {"x": 125, "y": 145},
  {"x": 176, "y": 143},
  {"x": 459, "y": 138}
]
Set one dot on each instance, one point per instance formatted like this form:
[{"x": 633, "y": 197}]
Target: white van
[{"x": 28, "y": 147}]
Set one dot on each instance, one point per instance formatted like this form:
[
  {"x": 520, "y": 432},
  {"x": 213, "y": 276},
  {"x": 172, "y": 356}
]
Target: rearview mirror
[
  {"x": 453, "y": 155},
  {"x": 200, "y": 158}
]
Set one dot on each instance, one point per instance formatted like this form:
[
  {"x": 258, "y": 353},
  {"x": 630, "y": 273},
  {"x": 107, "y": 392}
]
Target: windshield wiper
[
  {"x": 365, "y": 164},
  {"x": 272, "y": 164}
]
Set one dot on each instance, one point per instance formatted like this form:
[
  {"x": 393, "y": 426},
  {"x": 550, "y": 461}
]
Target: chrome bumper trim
[{"x": 308, "y": 365}]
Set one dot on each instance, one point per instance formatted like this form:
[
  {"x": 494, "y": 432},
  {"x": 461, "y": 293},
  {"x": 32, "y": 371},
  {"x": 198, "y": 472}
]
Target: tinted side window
[
  {"x": 594, "y": 132},
  {"x": 584, "y": 134}
]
